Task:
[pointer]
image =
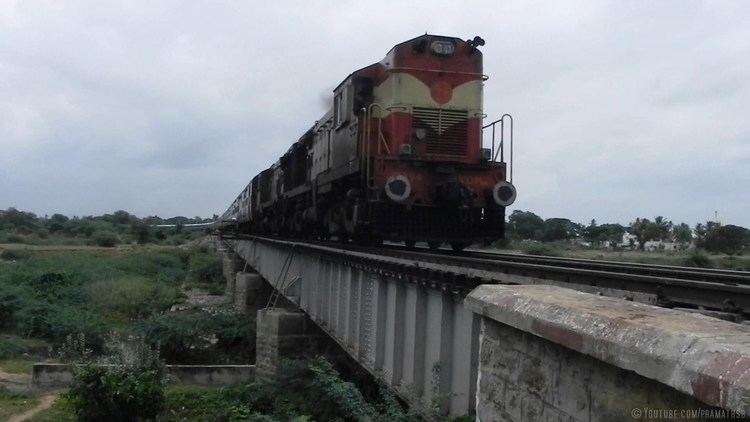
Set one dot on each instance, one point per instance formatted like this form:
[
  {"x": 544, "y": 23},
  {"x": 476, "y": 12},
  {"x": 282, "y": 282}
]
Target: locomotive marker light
[
  {"x": 443, "y": 48},
  {"x": 405, "y": 150},
  {"x": 398, "y": 188},
  {"x": 504, "y": 193},
  {"x": 486, "y": 154}
]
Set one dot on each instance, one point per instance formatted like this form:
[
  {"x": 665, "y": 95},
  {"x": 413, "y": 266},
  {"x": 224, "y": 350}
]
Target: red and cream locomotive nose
[
  {"x": 398, "y": 188},
  {"x": 504, "y": 193}
]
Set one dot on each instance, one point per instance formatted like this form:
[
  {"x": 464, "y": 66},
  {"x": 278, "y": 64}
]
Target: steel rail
[{"x": 688, "y": 273}]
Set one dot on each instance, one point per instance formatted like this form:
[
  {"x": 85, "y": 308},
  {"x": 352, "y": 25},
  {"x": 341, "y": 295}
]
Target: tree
[
  {"x": 526, "y": 225},
  {"x": 594, "y": 233},
  {"x": 682, "y": 234},
  {"x": 558, "y": 229},
  {"x": 56, "y": 222},
  {"x": 728, "y": 239},
  {"x": 645, "y": 230},
  {"x": 142, "y": 233},
  {"x": 122, "y": 217},
  {"x": 611, "y": 233}
]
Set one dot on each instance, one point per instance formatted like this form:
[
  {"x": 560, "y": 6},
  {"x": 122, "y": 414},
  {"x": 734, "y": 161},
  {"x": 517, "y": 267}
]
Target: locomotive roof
[{"x": 425, "y": 35}]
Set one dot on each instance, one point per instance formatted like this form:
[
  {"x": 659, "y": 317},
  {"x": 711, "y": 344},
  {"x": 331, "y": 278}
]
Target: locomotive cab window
[
  {"x": 341, "y": 105},
  {"x": 339, "y": 110}
]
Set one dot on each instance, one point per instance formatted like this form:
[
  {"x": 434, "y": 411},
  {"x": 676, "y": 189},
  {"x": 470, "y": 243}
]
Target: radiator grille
[{"x": 446, "y": 130}]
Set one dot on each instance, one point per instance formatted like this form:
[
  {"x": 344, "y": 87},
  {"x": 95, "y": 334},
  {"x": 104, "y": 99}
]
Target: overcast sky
[{"x": 622, "y": 109}]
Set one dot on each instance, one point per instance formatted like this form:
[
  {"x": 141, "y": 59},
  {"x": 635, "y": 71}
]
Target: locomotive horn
[{"x": 476, "y": 42}]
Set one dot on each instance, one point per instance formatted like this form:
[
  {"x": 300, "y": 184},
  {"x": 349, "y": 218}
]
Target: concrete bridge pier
[
  {"x": 231, "y": 263},
  {"x": 282, "y": 334},
  {"x": 251, "y": 292}
]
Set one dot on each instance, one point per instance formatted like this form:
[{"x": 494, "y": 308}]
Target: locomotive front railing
[{"x": 501, "y": 146}]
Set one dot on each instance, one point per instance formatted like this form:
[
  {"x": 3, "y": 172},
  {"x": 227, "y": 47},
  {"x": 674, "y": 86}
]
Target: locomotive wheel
[
  {"x": 410, "y": 243},
  {"x": 434, "y": 244},
  {"x": 458, "y": 246}
]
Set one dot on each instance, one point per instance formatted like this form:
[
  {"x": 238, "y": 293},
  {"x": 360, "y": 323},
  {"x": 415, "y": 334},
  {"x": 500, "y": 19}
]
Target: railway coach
[{"x": 398, "y": 156}]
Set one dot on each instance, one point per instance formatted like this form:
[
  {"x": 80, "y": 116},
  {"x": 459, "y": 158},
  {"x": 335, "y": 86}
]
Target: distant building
[
  {"x": 628, "y": 240},
  {"x": 660, "y": 245}
]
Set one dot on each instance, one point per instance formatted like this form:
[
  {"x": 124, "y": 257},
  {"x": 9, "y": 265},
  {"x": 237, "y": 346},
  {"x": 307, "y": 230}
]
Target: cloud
[{"x": 622, "y": 109}]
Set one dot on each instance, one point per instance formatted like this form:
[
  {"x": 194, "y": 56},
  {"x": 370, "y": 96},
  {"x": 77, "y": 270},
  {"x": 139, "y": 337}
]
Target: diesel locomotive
[{"x": 398, "y": 156}]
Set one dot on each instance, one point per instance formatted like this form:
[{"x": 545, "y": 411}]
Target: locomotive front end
[{"x": 430, "y": 176}]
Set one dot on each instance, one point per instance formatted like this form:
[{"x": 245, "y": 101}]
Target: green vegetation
[
  {"x": 49, "y": 297},
  {"x": 106, "y": 230},
  {"x": 14, "y": 403},
  {"x": 129, "y": 388},
  {"x": 310, "y": 390},
  {"x": 17, "y": 366},
  {"x": 676, "y": 244},
  {"x": 182, "y": 337},
  {"x": 698, "y": 259},
  {"x": 60, "y": 411},
  {"x": 205, "y": 273},
  {"x": 306, "y": 390}
]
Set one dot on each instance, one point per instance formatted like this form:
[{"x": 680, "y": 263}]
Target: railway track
[
  {"x": 684, "y": 273},
  {"x": 720, "y": 293}
]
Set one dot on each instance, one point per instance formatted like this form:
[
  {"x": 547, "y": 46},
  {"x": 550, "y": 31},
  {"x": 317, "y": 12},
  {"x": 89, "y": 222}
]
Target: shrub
[
  {"x": 15, "y": 254},
  {"x": 193, "y": 337},
  {"x": 698, "y": 259},
  {"x": 99, "y": 393},
  {"x": 10, "y": 302},
  {"x": 180, "y": 336},
  {"x": 165, "y": 266},
  {"x": 539, "y": 249},
  {"x": 205, "y": 268},
  {"x": 131, "y": 389},
  {"x": 15, "y": 238},
  {"x": 728, "y": 239},
  {"x": 10, "y": 349},
  {"x": 735, "y": 263},
  {"x": 106, "y": 239},
  {"x": 319, "y": 391},
  {"x": 132, "y": 297},
  {"x": 235, "y": 335}
]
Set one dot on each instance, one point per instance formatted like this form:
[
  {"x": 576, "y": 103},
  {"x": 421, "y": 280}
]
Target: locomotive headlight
[
  {"x": 504, "y": 194},
  {"x": 443, "y": 48},
  {"x": 398, "y": 188}
]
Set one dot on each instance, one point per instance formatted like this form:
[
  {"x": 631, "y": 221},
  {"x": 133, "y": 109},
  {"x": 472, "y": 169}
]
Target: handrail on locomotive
[{"x": 501, "y": 146}]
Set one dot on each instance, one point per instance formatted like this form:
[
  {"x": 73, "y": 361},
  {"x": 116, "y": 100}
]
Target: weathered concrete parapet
[
  {"x": 250, "y": 292},
  {"x": 705, "y": 358}
]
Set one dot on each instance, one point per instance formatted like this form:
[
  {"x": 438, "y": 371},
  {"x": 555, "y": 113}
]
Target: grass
[
  {"x": 60, "y": 411},
  {"x": 184, "y": 403},
  {"x": 17, "y": 366},
  {"x": 14, "y": 403},
  {"x": 12, "y": 347},
  {"x": 676, "y": 258}
]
